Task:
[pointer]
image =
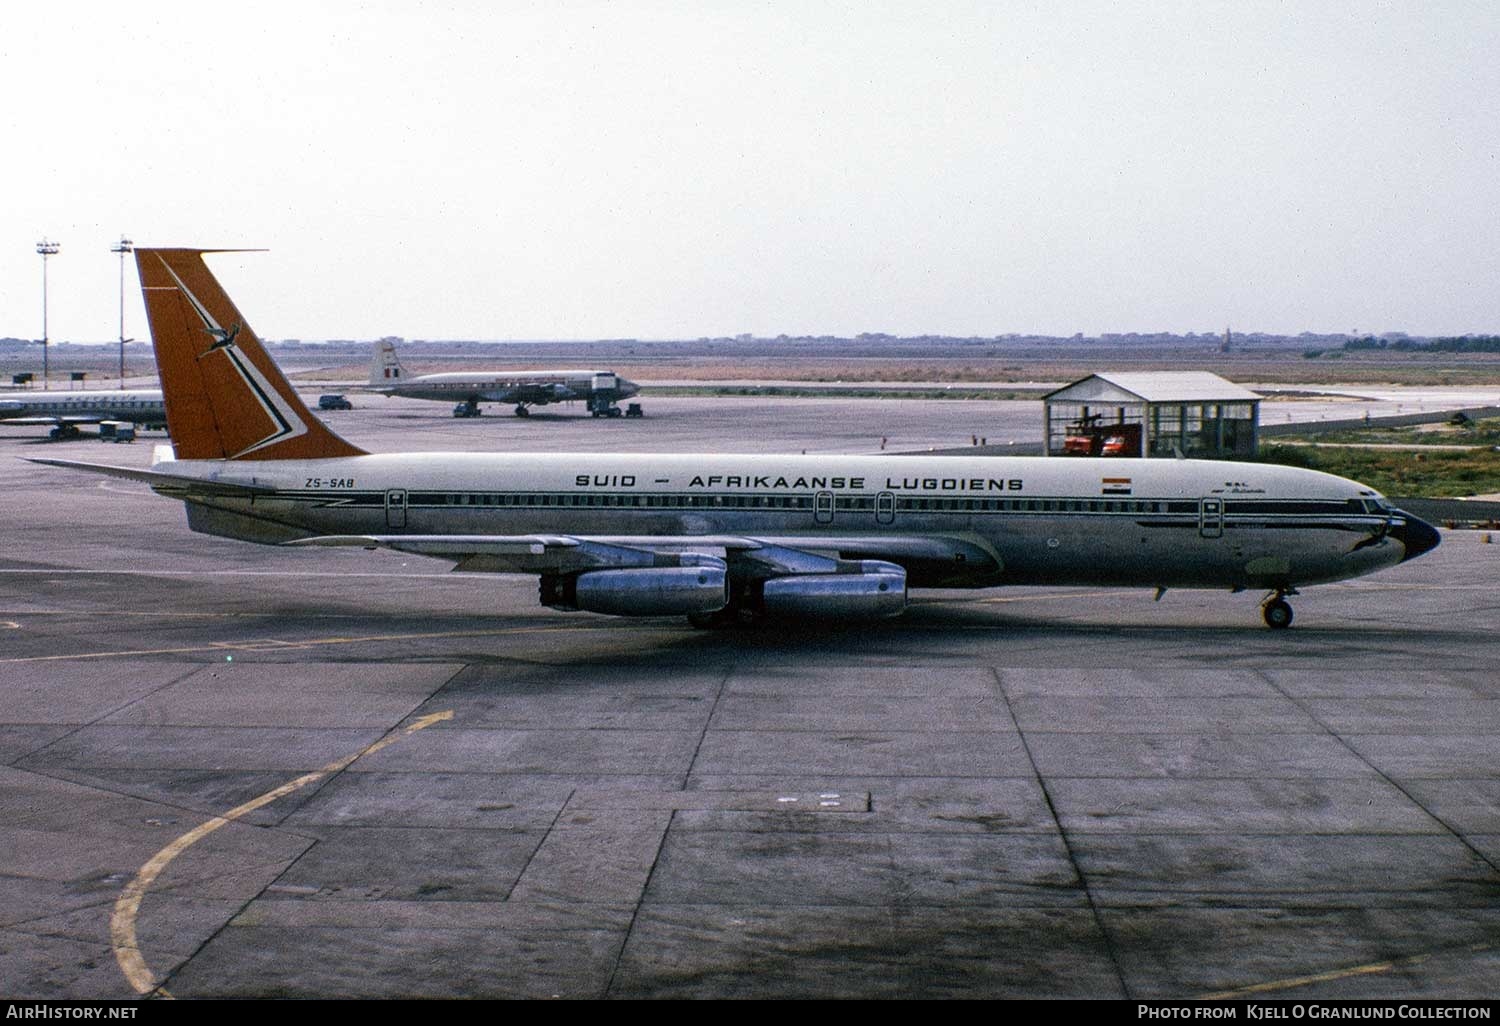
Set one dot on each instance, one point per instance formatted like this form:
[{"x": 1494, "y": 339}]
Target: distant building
[{"x": 1197, "y": 414}]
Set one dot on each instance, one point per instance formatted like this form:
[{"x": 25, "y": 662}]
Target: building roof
[{"x": 1153, "y": 387}]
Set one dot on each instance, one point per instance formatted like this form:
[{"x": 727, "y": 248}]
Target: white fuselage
[
  {"x": 139, "y": 406},
  {"x": 537, "y": 387},
  {"x": 996, "y": 520}
]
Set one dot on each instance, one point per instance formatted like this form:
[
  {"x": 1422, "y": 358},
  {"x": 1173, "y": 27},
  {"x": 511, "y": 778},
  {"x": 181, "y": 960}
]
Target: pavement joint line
[
  {"x": 1405, "y": 791},
  {"x": 241, "y": 646},
  {"x": 640, "y": 901},
  {"x": 281, "y": 824},
  {"x": 1369, "y": 969},
  {"x": 1062, "y": 834},
  {"x": 446, "y": 576},
  {"x": 122, "y": 932},
  {"x": 1036, "y": 598},
  {"x": 191, "y": 614},
  {"x": 552, "y": 825},
  {"x": 661, "y": 843},
  {"x": 266, "y": 644},
  {"x": 75, "y": 729},
  {"x": 724, "y": 677}
]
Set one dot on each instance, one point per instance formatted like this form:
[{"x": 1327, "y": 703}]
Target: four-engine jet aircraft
[
  {"x": 599, "y": 389},
  {"x": 726, "y": 537},
  {"x": 65, "y": 411}
]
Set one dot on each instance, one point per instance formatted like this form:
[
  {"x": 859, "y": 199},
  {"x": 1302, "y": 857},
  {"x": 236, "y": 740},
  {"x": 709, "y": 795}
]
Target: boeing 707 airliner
[{"x": 728, "y": 538}]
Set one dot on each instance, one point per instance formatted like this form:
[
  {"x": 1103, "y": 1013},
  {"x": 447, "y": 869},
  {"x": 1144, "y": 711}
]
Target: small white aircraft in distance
[
  {"x": 600, "y": 390},
  {"x": 727, "y": 538},
  {"x": 65, "y": 411}
]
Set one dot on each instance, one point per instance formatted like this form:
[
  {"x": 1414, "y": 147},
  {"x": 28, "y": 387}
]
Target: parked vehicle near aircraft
[{"x": 1089, "y": 436}]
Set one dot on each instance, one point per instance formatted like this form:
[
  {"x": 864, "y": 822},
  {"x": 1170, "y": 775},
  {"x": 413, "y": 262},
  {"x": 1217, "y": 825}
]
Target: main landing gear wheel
[
  {"x": 1277, "y": 613},
  {"x": 733, "y": 615},
  {"x": 522, "y": 411},
  {"x": 729, "y": 616}
]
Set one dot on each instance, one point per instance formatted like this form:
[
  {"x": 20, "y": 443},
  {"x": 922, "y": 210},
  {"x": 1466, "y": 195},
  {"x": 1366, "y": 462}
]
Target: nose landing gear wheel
[{"x": 1277, "y": 613}]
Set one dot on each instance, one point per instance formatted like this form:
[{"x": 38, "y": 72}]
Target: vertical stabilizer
[
  {"x": 385, "y": 366},
  {"x": 225, "y": 398}
]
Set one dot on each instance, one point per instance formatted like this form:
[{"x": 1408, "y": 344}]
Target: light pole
[
  {"x": 125, "y": 246},
  {"x": 46, "y": 249}
]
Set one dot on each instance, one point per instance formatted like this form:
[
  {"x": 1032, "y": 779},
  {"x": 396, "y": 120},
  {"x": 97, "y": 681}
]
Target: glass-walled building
[{"x": 1195, "y": 413}]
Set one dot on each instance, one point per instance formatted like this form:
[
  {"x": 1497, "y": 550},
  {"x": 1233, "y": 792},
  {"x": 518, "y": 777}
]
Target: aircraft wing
[
  {"x": 538, "y": 393},
  {"x": 166, "y": 484},
  {"x": 760, "y": 556},
  {"x": 69, "y": 418}
]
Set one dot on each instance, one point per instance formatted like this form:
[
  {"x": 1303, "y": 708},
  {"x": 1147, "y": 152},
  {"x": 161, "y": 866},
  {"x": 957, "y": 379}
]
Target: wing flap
[
  {"x": 528, "y": 553},
  {"x": 756, "y": 557}
]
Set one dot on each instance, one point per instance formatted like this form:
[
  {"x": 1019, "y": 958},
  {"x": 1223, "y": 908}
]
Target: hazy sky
[{"x": 503, "y": 170}]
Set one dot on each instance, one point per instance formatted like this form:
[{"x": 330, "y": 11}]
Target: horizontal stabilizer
[{"x": 174, "y": 483}]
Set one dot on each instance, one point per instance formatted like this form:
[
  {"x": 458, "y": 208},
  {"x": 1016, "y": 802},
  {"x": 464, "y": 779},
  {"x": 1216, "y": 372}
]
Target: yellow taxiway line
[
  {"x": 122, "y": 933},
  {"x": 262, "y": 644},
  {"x": 1369, "y": 969}
]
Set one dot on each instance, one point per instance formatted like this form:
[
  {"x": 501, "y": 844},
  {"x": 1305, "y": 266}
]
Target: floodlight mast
[
  {"x": 125, "y": 246},
  {"x": 46, "y": 248}
]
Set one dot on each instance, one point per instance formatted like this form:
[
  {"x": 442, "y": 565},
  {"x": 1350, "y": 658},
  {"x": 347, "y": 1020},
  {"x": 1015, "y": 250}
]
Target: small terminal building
[{"x": 1195, "y": 413}]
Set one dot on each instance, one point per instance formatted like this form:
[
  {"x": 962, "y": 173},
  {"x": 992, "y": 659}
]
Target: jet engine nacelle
[
  {"x": 877, "y": 590},
  {"x": 642, "y": 591}
]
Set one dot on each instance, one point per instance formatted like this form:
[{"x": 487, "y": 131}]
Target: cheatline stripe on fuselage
[{"x": 1352, "y": 514}]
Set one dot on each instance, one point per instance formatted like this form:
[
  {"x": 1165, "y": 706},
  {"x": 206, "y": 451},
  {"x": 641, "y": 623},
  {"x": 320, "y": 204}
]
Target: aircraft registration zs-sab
[
  {"x": 599, "y": 390},
  {"x": 724, "y": 538}
]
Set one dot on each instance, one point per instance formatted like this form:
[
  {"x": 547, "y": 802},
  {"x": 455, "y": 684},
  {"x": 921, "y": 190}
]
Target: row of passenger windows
[
  {"x": 92, "y": 404},
  {"x": 633, "y": 501},
  {"x": 842, "y": 503}
]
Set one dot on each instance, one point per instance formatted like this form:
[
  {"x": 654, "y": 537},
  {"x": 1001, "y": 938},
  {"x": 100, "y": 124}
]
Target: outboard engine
[
  {"x": 875, "y": 589},
  {"x": 701, "y": 586}
]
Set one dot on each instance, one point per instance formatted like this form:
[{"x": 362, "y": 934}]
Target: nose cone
[
  {"x": 1417, "y": 536},
  {"x": 627, "y": 387}
]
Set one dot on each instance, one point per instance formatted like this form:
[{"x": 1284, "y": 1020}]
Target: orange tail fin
[{"x": 225, "y": 398}]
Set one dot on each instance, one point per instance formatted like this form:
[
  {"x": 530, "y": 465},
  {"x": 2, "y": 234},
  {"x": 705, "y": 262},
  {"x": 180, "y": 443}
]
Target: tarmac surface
[{"x": 232, "y": 770}]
